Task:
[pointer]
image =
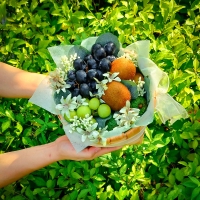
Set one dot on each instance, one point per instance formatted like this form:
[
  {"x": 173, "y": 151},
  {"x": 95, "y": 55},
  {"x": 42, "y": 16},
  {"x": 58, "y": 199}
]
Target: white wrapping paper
[{"x": 159, "y": 100}]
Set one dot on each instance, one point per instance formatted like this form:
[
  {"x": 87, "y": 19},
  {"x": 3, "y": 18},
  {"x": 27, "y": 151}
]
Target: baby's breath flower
[
  {"x": 85, "y": 127},
  {"x": 68, "y": 62},
  {"x": 140, "y": 87},
  {"x": 131, "y": 55},
  {"x": 127, "y": 115}
]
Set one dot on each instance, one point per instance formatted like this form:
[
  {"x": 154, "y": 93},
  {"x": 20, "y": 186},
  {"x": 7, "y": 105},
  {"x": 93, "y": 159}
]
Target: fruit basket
[{"x": 106, "y": 95}]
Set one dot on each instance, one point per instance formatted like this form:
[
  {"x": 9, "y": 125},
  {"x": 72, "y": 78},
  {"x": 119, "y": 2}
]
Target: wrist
[
  {"x": 52, "y": 153},
  {"x": 63, "y": 148}
]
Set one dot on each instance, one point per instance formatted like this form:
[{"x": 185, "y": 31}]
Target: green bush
[{"x": 167, "y": 164}]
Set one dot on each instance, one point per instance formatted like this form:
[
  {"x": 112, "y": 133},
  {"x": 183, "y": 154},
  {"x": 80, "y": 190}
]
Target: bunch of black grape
[{"x": 94, "y": 65}]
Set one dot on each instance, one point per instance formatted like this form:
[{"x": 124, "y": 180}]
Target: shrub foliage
[{"x": 167, "y": 164}]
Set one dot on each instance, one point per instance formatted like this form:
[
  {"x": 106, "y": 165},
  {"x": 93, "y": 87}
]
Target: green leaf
[
  {"x": 73, "y": 195},
  {"x": 43, "y": 53},
  {"x": 177, "y": 138},
  {"x": 135, "y": 196},
  {"x": 98, "y": 177},
  {"x": 103, "y": 196},
  {"x": 2, "y": 139},
  {"x": 40, "y": 182},
  {"x": 29, "y": 193},
  {"x": 92, "y": 171},
  {"x": 53, "y": 173},
  {"x": 62, "y": 182},
  {"x": 50, "y": 184},
  {"x": 5, "y": 125},
  {"x": 195, "y": 64},
  {"x": 10, "y": 114},
  {"x": 179, "y": 175},
  {"x": 189, "y": 184},
  {"x": 43, "y": 44},
  {"x": 92, "y": 189},
  {"x": 39, "y": 121},
  {"x": 19, "y": 129},
  {"x": 18, "y": 197},
  {"x": 195, "y": 144},
  {"x": 123, "y": 169},
  {"x": 195, "y": 192},
  {"x": 83, "y": 193},
  {"x": 39, "y": 131},
  {"x": 37, "y": 191},
  {"x": 194, "y": 180},
  {"x": 171, "y": 179},
  {"x": 173, "y": 194},
  {"x": 183, "y": 163},
  {"x": 27, "y": 141},
  {"x": 169, "y": 26},
  {"x": 34, "y": 4},
  {"x": 51, "y": 192},
  {"x": 123, "y": 192},
  {"x": 75, "y": 175}
]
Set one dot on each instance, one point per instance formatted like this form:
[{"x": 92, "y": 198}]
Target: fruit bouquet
[{"x": 106, "y": 95}]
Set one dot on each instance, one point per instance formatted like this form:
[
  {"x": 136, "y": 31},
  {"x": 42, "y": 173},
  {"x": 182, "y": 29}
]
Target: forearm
[
  {"x": 16, "y": 83},
  {"x": 15, "y": 165}
]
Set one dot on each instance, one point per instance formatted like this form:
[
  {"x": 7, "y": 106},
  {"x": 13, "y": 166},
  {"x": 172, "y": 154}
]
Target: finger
[
  {"x": 105, "y": 150},
  {"x": 93, "y": 152}
]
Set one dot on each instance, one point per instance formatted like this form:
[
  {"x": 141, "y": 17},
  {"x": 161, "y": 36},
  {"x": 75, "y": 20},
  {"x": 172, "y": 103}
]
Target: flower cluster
[
  {"x": 140, "y": 87},
  {"x": 127, "y": 115},
  {"x": 131, "y": 55},
  {"x": 59, "y": 75},
  {"x": 69, "y": 104},
  {"x": 57, "y": 80},
  {"x": 67, "y": 63},
  {"x": 88, "y": 129}
]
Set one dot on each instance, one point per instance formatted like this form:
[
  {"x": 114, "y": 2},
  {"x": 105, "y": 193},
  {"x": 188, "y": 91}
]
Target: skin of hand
[
  {"x": 17, "y": 83},
  {"x": 14, "y": 165}
]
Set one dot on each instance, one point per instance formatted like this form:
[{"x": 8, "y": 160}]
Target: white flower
[
  {"x": 140, "y": 87},
  {"x": 101, "y": 138},
  {"x": 101, "y": 86},
  {"x": 66, "y": 105},
  {"x": 80, "y": 101},
  {"x": 68, "y": 62},
  {"x": 90, "y": 135},
  {"x": 131, "y": 55},
  {"x": 57, "y": 80},
  {"x": 87, "y": 129},
  {"x": 112, "y": 76},
  {"x": 127, "y": 115}
]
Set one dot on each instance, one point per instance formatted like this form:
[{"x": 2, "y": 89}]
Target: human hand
[{"x": 67, "y": 151}]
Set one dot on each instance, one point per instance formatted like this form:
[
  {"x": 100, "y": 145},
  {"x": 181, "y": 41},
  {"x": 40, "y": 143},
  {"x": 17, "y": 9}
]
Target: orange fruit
[
  {"x": 125, "y": 67},
  {"x": 116, "y": 95}
]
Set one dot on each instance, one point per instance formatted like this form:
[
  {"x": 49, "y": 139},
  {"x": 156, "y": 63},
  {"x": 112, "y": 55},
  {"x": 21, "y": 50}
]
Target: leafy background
[{"x": 167, "y": 164}]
